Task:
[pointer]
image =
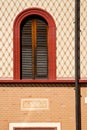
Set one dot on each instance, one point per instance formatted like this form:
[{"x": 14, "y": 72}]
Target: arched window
[
  {"x": 34, "y": 48},
  {"x": 34, "y": 45}
]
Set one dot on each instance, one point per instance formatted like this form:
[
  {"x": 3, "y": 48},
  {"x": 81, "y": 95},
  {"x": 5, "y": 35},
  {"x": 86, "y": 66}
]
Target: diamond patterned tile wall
[
  {"x": 83, "y": 39},
  {"x": 63, "y": 14}
]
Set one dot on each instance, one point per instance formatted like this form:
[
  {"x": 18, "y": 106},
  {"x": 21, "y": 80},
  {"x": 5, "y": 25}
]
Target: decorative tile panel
[{"x": 63, "y": 14}]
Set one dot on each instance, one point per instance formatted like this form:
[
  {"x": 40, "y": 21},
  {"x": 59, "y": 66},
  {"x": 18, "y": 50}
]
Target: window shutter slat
[
  {"x": 41, "y": 50},
  {"x": 34, "y": 48},
  {"x": 26, "y": 50},
  {"x": 41, "y": 67}
]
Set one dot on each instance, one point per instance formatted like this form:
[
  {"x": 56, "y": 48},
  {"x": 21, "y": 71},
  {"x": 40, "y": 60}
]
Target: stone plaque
[{"x": 34, "y": 104}]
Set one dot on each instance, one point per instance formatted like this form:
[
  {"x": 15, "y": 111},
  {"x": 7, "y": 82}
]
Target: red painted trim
[
  {"x": 83, "y": 81},
  {"x": 38, "y": 81},
  {"x": 34, "y": 128},
  {"x": 51, "y": 41}
]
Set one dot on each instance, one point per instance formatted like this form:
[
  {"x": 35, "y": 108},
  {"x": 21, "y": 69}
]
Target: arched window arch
[{"x": 36, "y": 17}]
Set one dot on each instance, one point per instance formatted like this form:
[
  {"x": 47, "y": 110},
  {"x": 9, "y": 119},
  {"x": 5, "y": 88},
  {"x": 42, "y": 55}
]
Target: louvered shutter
[
  {"x": 34, "y": 48},
  {"x": 26, "y": 49},
  {"x": 41, "y": 50}
]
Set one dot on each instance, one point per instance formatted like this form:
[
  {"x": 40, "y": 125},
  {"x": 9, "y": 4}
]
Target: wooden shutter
[
  {"x": 26, "y": 49},
  {"x": 34, "y": 49},
  {"x": 41, "y": 50}
]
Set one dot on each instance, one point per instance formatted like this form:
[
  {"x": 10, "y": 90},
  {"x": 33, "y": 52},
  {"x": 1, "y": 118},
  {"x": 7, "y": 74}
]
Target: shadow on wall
[{"x": 38, "y": 85}]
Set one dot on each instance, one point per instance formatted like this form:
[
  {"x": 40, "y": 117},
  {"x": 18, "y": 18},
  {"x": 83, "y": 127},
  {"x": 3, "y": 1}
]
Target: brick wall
[
  {"x": 61, "y": 104},
  {"x": 83, "y": 106}
]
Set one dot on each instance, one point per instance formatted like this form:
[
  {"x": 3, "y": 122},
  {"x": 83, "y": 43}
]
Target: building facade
[{"x": 49, "y": 96}]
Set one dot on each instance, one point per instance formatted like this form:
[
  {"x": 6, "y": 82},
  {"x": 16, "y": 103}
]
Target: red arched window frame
[{"x": 51, "y": 41}]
